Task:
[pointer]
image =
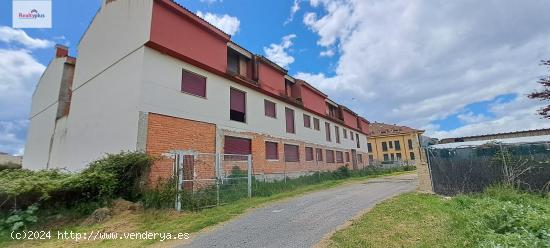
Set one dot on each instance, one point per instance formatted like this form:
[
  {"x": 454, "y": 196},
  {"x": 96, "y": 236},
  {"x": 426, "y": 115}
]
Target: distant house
[
  {"x": 391, "y": 143},
  {"x": 10, "y": 161}
]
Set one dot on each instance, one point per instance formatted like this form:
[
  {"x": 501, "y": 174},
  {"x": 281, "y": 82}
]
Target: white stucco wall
[
  {"x": 104, "y": 114},
  {"x": 161, "y": 94},
  {"x": 118, "y": 28},
  {"x": 42, "y": 116}
]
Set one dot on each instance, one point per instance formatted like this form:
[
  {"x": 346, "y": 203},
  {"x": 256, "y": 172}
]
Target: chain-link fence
[
  {"x": 205, "y": 180},
  {"x": 473, "y": 168}
]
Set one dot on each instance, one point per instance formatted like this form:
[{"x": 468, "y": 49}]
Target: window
[
  {"x": 398, "y": 156},
  {"x": 397, "y": 145},
  {"x": 235, "y": 146},
  {"x": 271, "y": 150},
  {"x": 339, "y": 157},
  {"x": 289, "y": 113},
  {"x": 357, "y": 140},
  {"x": 337, "y": 132},
  {"x": 232, "y": 62},
  {"x": 392, "y": 156},
  {"x": 330, "y": 156},
  {"x": 410, "y": 144},
  {"x": 351, "y": 135},
  {"x": 237, "y": 105},
  {"x": 316, "y": 124},
  {"x": 193, "y": 83},
  {"x": 371, "y": 158},
  {"x": 327, "y": 130},
  {"x": 386, "y": 157},
  {"x": 390, "y": 144},
  {"x": 309, "y": 154},
  {"x": 384, "y": 146},
  {"x": 369, "y": 147},
  {"x": 319, "y": 154},
  {"x": 307, "y": 121},
  {"x": 269, "y": 108},
  {"x": 360, "y": 158},
  {"x": 345, "y": 133},
  {"x": 292, "y": 153},
  {"x": 347, "y": 156},
  {"x": 412, "y": 156}
]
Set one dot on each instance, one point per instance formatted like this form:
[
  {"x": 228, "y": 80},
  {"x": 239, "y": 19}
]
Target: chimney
[{"x": 61, "y": 51}]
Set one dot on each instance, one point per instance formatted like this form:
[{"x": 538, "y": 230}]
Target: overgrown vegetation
[
  {"x": 115, "y": 176},
  {"x": 499, "y": 217}
]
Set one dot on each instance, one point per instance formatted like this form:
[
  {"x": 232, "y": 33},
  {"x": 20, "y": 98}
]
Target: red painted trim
[
  {"x": 250, "y": 84},
  {"x": 197, "y": 20}
]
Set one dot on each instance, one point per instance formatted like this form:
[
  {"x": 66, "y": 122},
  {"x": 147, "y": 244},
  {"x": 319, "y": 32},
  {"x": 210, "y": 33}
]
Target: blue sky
[{"x": 451, "y": 68}]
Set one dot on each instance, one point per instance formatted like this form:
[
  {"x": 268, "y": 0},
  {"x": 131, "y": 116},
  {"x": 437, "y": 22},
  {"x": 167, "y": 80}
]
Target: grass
[
  {"x": 169, "y": 221},
  {"x": 500, "y": 217}
]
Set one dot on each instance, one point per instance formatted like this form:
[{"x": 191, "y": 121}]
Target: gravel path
[{"x": 303, "y": 221}]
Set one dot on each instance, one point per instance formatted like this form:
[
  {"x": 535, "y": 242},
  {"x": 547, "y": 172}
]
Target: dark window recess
[
  {"x": 386, "y": 157},
  {"x": 357, "y": 140},
  {"x": 384, "y": 146},
  {"x": 397, "y": 145},
  {"x": 307, "y": 121},
  {"x": 390, "y": 144},
  {"x": 360, "y": 158},
  {"x": 309, "y": 153},
  {"x": 327, "y": 130},
  {"x": 337, "y": 134},
  {"x": 345, "y": 133},
  {"x": 369, "y": 147},
  {"x": 292, "y": 153},
  {"x": 371, "y": 158},
  {"x": 233, "y": 62},
  {"x": 193, "y": 83},
  {"x": 351, "y": 134},
  {"x": 398, "y": 156},
  {"x": 412, "y": 156},
  {"x": 330, "y": 156},
  {"x": 347, "y": 156},
  {"x": 316, "y": 124},
  {"x": 289, "y": 113},
  {"x": 410, "y": 144},
  {"x": 339, "y": 157},
  {"x": 392, "y": 156},
  {"x": 319, "y": 154},
  {"x": 235, "y": 146},
  {"x": 271, "y": 150},
  {"x": 270, "y": 110},
  {"x": 237, "y": 105}
]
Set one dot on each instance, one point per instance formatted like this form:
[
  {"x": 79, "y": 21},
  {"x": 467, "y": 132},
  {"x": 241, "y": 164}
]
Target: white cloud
[
  {"x": 210, "y": 1},
  {"x": 10, "y": 35},
  {"x": 19, "y": 73},
  {"x": 295, "y": 7},
  {"x": 278, "y": 52},
  {"x": 227, "y": 23},
  {"x": 327, "y": 53},
  {"x": 413, "y": 62}
]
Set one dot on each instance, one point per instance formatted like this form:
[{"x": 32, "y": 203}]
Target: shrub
[
  {"x": 19, "y": 219},
  {"x": 120, "y": 175}
]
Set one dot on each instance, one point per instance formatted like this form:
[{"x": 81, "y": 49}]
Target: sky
[{"x": 452, "y": 68}]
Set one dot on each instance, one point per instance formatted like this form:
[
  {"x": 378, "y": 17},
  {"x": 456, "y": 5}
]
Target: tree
[{"x": 544, "y": 94}]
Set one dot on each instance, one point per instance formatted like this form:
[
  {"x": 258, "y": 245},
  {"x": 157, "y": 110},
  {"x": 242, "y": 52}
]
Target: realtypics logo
[{"x": 32, "y": 14}]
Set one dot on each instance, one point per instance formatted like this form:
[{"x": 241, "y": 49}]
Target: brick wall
[{"x": 165, "y": 133}]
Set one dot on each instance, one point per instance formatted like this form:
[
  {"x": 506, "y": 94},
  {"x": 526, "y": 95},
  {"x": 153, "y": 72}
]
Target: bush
[{"x": 120, "y": 175}]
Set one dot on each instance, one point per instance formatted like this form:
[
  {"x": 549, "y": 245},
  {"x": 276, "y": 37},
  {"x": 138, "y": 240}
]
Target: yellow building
[{"x": 392, "y": 143}]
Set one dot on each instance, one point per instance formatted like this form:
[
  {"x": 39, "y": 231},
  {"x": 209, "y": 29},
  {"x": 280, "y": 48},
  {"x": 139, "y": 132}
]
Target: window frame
[
  {"x": 319, "y": 154},
  {"x": 245, "y": 105},
  {"x": 286, "y": 159},
  {"x": 333, "y": 159},
  {"x": 293, "y": 120},
  {"x": 266, "y": 102},
  {"x": 339, "y": 157},
  {"x": 308, "y": 148},
  {"x": 328, "y": 137},
  {"x": 183, "y": 70},
  {"x": 316, "y": 124},
  {"x": 384, "y": 146},
  {"x": 276, "y": 151},
  {"x": 337, "y": 134},
  {"x": 308, "y": 122},
  {"x": 397, "y": 145}
]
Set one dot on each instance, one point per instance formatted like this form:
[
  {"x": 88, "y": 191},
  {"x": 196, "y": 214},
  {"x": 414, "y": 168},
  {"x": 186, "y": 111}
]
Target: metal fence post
[
  {"x": 249, "y": 166},
  {"x": 180, "y": 162},
  {"x": 218, "y": 176}
]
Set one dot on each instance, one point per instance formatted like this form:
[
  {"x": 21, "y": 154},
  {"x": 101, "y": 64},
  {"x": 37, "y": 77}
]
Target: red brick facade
[{"x": 165, "y": 133}]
